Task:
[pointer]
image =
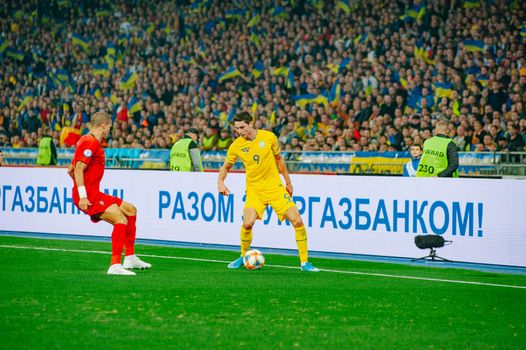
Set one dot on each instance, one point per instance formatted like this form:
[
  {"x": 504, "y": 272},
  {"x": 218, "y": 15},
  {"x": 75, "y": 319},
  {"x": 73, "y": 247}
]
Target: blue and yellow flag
[
  {"x": 344, "y": 6},
  {"x": 522, "y": 32},
  {"x": 254, "y": 38},
  {"x": 474, "y": 45},
  {"x": 26, "y": 100},
  {"x": 3, "y": 45},
  {"x": 110, "y": 49},
  {"x": 279, "y": 12},
  {"x": 230, "y": 73},
  {"x": 235, "y": 14},
  {"x": 128, "y": 80},
  {"x": 471, "y": 4},
  {"x": 15, "y": 54},
  {"x": 290, "y": 80},
  {"x": 443, "y": 89},
  {"x": 305, "y": 99},
  {"x": 346, "y": 63},
  {"x": 187, "y": 60},
  {"x": 101, "y": 69},
  {"x": 80, "y": 41},
  {"x": 362, "y": 38},
  {"x": 231, "y": 114},
  {"x": 255, "y": 20},
  {"x": 258, "y": 69},
  {"x": 283, "y": 71},
  {"x": 135, "y": 105},
  {"x": 334, "y": 94}
]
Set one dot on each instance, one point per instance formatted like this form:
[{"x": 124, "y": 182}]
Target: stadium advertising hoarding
[{"x": 345, "y": 214}]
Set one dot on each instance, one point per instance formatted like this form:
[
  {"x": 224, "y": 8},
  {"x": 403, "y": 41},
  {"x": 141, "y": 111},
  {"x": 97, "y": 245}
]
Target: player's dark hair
[{"x": 242, "y": 117}]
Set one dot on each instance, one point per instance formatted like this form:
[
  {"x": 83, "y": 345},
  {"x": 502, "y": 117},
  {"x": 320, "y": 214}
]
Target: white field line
[{"x": 276, "y": 266}]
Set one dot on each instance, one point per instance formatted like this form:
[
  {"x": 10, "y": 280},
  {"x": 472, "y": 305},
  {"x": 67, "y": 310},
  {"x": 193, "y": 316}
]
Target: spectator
[{"x": 411, "y": 167}]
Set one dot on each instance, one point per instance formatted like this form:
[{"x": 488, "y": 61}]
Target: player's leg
[
  {"x": 114, "y": 216},
  {"x": 250, "y": 216},
  {"x": 131, "y": 261},
  {"x": 293, "y": 215}
]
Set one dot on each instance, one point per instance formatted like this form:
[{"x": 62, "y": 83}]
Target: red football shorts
[{"x": 99, "y": 203}]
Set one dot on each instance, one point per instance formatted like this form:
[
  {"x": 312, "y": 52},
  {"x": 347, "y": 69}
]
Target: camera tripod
[{"x": 432, "y": 256}]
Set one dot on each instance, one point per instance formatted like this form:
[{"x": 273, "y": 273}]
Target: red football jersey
[{"x": 89, "y": 150}]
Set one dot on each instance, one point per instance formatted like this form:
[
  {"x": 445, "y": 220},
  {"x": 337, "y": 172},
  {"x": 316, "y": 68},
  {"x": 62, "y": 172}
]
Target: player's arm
[
  {"x": 282, "y": 167},
  {"x": 78, "y": 172},
  {"x": 221, "y": 187},
  {"x": 71, "y": 171}
]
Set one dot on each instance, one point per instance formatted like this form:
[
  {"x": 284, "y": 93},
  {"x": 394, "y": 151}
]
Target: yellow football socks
[
  {"x": 301, "y": 241},
  {"x": 246, "y": 240}
]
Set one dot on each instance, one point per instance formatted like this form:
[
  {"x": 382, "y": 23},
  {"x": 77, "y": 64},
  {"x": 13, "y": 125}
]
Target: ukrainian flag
[
  {"x": 443, "y": 89},
  {"x": 290, "y": 80},
  {"x": 231, "y": 114},
  {"x": 362, "y": 38},
  {"x": 128, "y": 81},
  {"x": 134, "y": 105},
  {"x": 27, "y": 99},
  {"x": 283, "y": 71},
  {"x": 110, "y": 50},
  {"x": 303, "y": 100},
  {"x": 419, "y": 49},
  {"x": 15, "y": 54},
  {"x": 62, "y": 76},
  {"x": 335, "y": 93},
  {"x": 230, "y": 73},
  {"x": 483, "y": 80},
  {"x": 254, "y": 38},
  {"x": 201, "y": 50},
  {"x": 522, "y": 32},
  {"x": 101, "y": 69},
  {"x": 254, "y": 21},
  {"x": 258, "y": 69},
  {"x": 110, "y": 60},
  {"x": 235, "y": 14},
  {"x": 81, "y": 41},
  {"x": 471, "y": 4},
  {"x": 346, "y": 63},
  {"x": 474, "y": 45},
  {"x": 3, "y": 45},
  {"x": 279, "y": 12},
  {"x": 344, "y": 6},
  {"x": 187, "y": 60}
]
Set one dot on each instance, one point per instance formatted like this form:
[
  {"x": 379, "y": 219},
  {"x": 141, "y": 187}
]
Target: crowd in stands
[{"x": 341, "y": 75}]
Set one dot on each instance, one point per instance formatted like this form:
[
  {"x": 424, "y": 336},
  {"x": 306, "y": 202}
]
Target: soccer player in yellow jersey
[{"x": 259, "y": 151}]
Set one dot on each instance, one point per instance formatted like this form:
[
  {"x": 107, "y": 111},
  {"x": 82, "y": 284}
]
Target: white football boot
[
  {"x": 133, "y": 262},
  {"x": 118, "y": 269}
]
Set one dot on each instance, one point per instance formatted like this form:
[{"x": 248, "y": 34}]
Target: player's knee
[
  {"x": 132, "y": 210},
  {"x": 248, "y": 225},
  {"x": 296, "y": 221},
  {"x": 128, "y": 209}
]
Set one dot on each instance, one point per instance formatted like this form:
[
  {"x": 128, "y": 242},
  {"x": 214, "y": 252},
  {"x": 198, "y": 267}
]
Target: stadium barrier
[
  {"x": 359, "y": 163},
  {"x": 345, "y": 214}
]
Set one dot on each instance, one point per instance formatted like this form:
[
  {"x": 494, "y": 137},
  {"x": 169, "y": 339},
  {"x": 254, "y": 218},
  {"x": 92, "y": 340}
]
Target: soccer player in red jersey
[{"x": 86, "y": 170}]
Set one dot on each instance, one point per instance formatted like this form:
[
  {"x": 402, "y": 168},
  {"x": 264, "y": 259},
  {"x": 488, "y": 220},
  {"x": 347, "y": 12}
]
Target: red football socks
[
  {"x": 117, "y": 243},
  {"x": 130, "y": 235}
]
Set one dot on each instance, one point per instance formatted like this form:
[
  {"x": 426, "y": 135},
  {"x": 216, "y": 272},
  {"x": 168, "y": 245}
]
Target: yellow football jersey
[{"x": 258, "y": 157}]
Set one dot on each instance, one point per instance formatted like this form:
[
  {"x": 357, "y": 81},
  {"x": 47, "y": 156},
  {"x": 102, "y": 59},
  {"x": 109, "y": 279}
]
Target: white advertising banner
[{"x": 485, "y": 218}]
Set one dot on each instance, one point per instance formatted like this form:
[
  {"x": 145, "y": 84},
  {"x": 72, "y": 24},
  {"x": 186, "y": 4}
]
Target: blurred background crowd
[{"x": 336, "y": 75}]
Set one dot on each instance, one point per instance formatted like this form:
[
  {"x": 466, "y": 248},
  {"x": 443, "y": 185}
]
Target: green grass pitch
[{"x": 59, "y": 298}]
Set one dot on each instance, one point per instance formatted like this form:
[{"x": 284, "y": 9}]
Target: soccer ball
[{"x": 253, "y": 259}]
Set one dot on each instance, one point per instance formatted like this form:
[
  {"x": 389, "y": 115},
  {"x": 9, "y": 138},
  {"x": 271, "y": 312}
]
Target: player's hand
[
  {"x": 223, "y": 189},
  {"x": 84, "y": 203},
  {"x": 289, "y": 188}
]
